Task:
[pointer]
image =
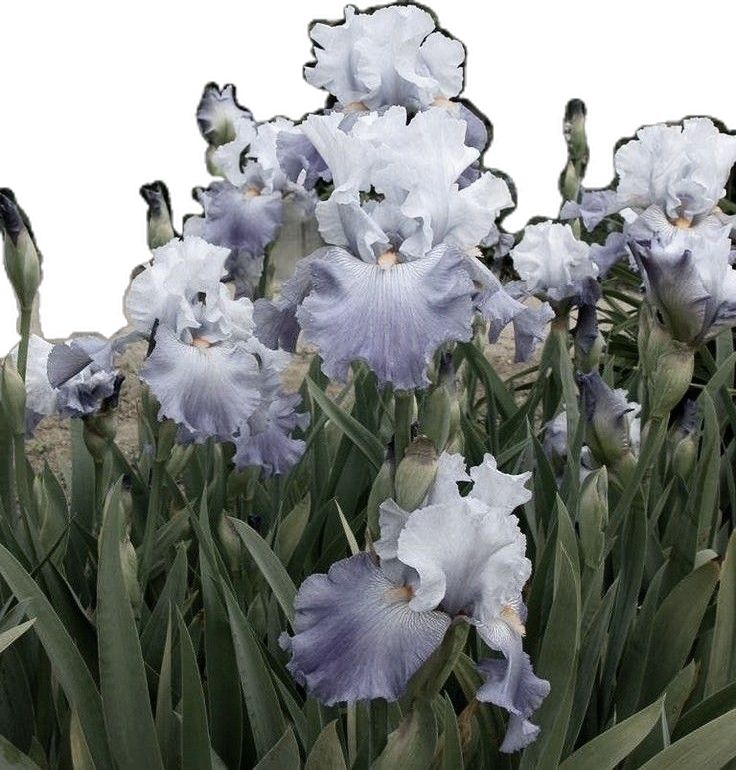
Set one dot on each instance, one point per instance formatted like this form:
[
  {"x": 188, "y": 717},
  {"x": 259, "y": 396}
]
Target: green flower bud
[
  {"x": 667, "y": 365},
  {"x": 129, "y": 564},
  {"x": 588, "y": 340},
  {"x": 99, "y": 432},
  {"x": 605, "y": 412},
  {"x": 13, "y": 397},
  {"x": 160, "y": 227},
  {"x": 436, "y": 417},
  {"x": 22, "y": 260},
  {"x": 685, "y": 440},
  {"x": 416, "y": 473},
  {"x": 593, "y": 516}
]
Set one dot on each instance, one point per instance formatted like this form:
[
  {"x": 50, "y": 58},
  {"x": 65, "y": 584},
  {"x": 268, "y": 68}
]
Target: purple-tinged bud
[{"x": 22, "y": 260}]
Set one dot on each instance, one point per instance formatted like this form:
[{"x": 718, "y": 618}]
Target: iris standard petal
[
  {"x": 210, "y": 390},
  {"x": 393, "y": 318},
  {"x": 498, "y": 490},
  {"x": 470, "y": 559},
  {"x": 355, "y": 636}
]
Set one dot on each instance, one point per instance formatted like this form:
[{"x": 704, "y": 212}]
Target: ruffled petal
[
  {"x": 594, "y": 207},
  {"x": 470, "y": 558},
  {"x": 211, "y": 391},
  {"x": 501, "y": 491},
  {"x": 356, "y": 637},
  {"x": 450, "y": 472},
  {"x": 392, "y": 318}
]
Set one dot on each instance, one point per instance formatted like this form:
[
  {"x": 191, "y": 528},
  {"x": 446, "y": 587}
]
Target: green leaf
[
  {"x": 722, "y": 665},
  {"x": 606, "y": 750},
  {"x": 709, "y": 747},
  {"x": 261, "y": 702},
  {"x": 363, "y": 439},
  {"x": 291, "y": 529},
  {"x": 492, "y": 383},
  {"x": 719, "y": 703},
  {"x": 326, "y": 754},
  {"x": 411, "y": 746},
  {"x": 9, "y": 636},
  {"x": 676, "y": 625},
  {"x": 271, "y": 568},
  {"x": 69, "y": 668},
  {"x": 558, "y": 660},
  {"x": 166, "y": 721},
  {"x": 196, "y": 753},
  {"x": 125, "y": 698},
  {"x": 452, "y": 755},
  {"x": 13, "y": 759},
  {"x": 283, "y": 756}
]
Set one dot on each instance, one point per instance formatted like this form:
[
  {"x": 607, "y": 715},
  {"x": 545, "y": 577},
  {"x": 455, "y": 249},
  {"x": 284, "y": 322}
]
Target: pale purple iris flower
[
  {"x": 670, "y": 180},
  {"x": 73, "y": 378},
  {"x": 244, "y": 211},
  {"x": 365, "y": 628},
  {"x": 399, "y": 277},
  {"x": 209, "y": 372}
]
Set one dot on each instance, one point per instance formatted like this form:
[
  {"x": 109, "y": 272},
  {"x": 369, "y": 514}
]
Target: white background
[{"x": 98, "y": 98}]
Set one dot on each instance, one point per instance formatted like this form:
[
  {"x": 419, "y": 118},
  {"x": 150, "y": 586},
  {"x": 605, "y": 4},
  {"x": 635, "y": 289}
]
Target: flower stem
[
  {"x": 403, "y": 414},
  {"x": 25, "y": 333}
]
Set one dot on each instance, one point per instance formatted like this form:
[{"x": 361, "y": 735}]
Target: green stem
[
  {"x": 403, "y": 414},
  {"x": 25, "y": 333}
]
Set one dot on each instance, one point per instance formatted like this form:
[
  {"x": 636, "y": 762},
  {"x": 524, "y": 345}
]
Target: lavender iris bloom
[
  {"x": 210, "y": 374},
  {"x": 74, "y": 378},
  {"x": 366, "y": 627},
  {"x": 670, "y": 179},
  {"x": 399, "y": 277}
]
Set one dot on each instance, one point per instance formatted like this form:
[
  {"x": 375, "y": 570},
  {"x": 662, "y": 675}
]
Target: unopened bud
[
  {"x": 160, "y": 226},
  {"x": 588, "y": 340},
  {"x": 99, "y": 432},
  {"x": 13, "y": 397},
  {"x": 436, "y": 417},
  {"x": 594, "y": 516},
  {"x": 667, "y": 364},
  {"x": 22, "y": 261},
  {"x": 129, "y": 564},
  {"x": 416, "y": 473},
  {"x": 573, "y": 128},
  {"x": 606, "y": 422},
  {"x": 685, "y": 440},
  {"x": 219, "y": 113}
]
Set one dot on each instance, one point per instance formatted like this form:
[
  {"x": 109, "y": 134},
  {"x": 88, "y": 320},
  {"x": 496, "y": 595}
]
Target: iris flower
[
  {"x": 209, "y": 373},
  {"x": 670, "y": 180},
  {"x": 362, "y": 630},
  {"x": 73, "y": 378},
  {"x": 243, "y": 211},
  {"x": 399, "y": 277}
]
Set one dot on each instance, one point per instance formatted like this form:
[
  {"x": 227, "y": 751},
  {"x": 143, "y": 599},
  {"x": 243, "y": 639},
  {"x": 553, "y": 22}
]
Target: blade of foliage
[
  {"x": 283, "y": 756},
  {"x": 722, "y": 665},
  {"x": 326, "y": 754}
]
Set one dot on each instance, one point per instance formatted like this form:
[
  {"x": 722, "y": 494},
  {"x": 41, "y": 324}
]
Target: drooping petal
[
  {"x": 211, "y": 391},
  {"x": 529, "y": 329},
  {"x": 265, "y": 441},
  {"x": 594, "y": 207},
  {"x": 392, "y": 318},
  {"x": 511, "y": 683},
  {"x": 356, "y": 637},
  {"x": 40, "y": 395}
]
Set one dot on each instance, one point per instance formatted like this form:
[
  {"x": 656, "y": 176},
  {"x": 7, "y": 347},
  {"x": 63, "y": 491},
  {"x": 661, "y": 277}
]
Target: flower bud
[
  {"x": 573, "y": 128},
  {"x": 436, "y": 417},
  {"x": 13, "y": 397},
  {"x": 129, "y": 564},
  {"x": 588, "y": 340},
  {"x": 667, "y": 364},
  {"x": 416, "y": 473},
  {"x": 99, "y": 432},
  {"x": 685, "y": 440},
  {"x": 594, "y": 516},
  {"x": 22, "y": 260},
  {"x": 606, "y": 423},
  {"x": 160, "y": 227}
]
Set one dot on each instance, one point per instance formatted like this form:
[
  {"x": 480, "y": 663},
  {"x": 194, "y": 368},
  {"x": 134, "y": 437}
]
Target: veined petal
[
  {"x": 392, "y": 318},
  {"x": 211, "y": 390},
  {"x": 40, "y": 395},
  {"x": 356, "y": 637}
]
